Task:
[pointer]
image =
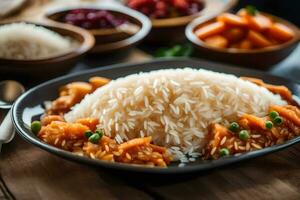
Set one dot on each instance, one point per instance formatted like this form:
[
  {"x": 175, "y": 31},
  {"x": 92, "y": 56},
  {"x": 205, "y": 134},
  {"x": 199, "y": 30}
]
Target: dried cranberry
[{"x": 92, "y": 19}]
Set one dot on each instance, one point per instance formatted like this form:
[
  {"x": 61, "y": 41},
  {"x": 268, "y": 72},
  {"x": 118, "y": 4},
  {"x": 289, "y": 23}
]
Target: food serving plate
[{"x": 29, "y": 107}]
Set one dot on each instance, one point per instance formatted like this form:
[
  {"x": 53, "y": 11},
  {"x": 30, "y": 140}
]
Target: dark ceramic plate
[{"x": 28, "y": 107}]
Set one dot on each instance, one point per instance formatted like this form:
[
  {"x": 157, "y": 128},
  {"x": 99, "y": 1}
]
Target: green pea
[
  {"x": 278, "y": 120},
  {"x": 234, "y": 127},
  {"x": 36, "y": 127},
  {"x": 269, "y": 124},
  {"x": 244, "y": 135},
  {"x": 273, "y": 114},
  {"x": 224, "y": 152},
  {"x": 100, "y": 133},
  {"x": 88, "y": 134},
  {"x": 94, "y": 138}
]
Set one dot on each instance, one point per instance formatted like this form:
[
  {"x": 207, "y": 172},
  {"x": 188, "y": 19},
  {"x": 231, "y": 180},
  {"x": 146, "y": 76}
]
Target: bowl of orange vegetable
[{"x": 249, "y": 37}]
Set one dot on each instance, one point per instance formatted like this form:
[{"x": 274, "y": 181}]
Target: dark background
[{"x": 288, "y": 9}]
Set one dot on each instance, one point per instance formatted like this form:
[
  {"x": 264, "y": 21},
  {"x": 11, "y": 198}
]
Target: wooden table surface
[{"x": 28, "y": 172}]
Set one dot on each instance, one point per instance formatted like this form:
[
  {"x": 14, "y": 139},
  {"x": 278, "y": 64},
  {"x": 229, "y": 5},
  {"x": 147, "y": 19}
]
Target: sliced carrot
[
  {"x": 258, "y": 39},
  {"x": 135, "y": 142},
  {"x": 232, "y": 19},
  {"x": 217, "y": 41},
  {"x": 246, "y": 44},
  {"x": 234, "y": 34},
  {"x": 259, "y": 22},
  {"x": 286, "y": 113},
  {"x": 210, "y": 29},
  {"x": 281, "y": 32}
]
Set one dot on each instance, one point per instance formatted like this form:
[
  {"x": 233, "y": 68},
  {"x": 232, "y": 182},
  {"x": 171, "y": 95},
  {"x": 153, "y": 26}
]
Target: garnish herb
[{"x": 251, "y": 10}]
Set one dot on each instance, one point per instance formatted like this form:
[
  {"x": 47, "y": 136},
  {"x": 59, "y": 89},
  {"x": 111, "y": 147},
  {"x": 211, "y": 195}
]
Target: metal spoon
[{"x": 9, "y": 92}]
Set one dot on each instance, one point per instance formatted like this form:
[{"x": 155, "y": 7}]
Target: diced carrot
[
  {"x": 254, "y": 122},
  {"x": 258, "y": 22},
  {"x": 258, "y": 39},
  {"x": 50, "y": 118},
  {"x": 246, "y": 44},
  {"x": 217, "y": 41},
  {"x": 242, "y": 12},
  {"x": 78, "y": 87},
  {"x": 98, "y": 81},
  {"x": 281, "y": 32},
  {"x": 232, "y": 19},
  {"x": 135, "y": 142},
  {"x": 210, "y": 29},
  {"x": 234, "y": 34},
  {"x": 89, "y": 122},
  {"x": 287, "y": 113}
]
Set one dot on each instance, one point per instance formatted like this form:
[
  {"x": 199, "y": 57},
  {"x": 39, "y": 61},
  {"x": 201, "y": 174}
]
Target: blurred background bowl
[
  {"x": 110, "y": 40},
  {"x": 50, "y": 67},
  {"x": 262, "y": 58},
  {"x": 171, "y": 30}
]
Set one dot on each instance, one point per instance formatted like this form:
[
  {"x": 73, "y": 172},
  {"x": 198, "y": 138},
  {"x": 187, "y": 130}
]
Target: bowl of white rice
[{"x": 38, "y": 50}]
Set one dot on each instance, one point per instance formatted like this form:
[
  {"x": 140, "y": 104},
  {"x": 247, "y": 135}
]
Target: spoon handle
[{"x": 7, "y": 129}]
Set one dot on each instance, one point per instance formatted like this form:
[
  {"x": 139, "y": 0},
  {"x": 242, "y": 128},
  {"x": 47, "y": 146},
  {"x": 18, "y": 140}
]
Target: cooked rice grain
[{"x": 174, "y": 106}]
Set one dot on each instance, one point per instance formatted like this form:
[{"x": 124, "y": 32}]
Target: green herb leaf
[
  {"x": 251, "y": 10},
  {"x": 183, "y": 50}
]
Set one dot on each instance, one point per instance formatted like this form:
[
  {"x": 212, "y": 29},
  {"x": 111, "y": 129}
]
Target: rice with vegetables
[
  {"x": 175, "y": 107},
  {"x": 176, "y": 114}
]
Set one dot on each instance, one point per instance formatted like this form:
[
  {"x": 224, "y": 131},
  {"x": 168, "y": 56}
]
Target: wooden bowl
[
  {"x": 171, "y": 30},
  {"x": 49, "y": 67},
  {"x": 262, "y": 58},
  {"x": 110, "y": 40}
]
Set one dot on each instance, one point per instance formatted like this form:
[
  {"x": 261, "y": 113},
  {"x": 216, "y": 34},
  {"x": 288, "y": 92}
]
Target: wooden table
[{"x": 28, "y": 172}]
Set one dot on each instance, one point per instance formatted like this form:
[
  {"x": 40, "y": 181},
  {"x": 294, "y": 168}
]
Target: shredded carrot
[
  {"x": 283, "y": 91},
  {"x": 89, "y": 122},
  {"x": 286, "y": 113},
  {"x": 135, "y": 142},
  {"x": 253, "y": 122}
]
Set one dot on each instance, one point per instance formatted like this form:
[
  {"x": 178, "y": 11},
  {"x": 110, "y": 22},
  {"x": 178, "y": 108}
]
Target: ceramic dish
[
  {"x": 256, "y": 58},
  {"x": 109, "y": 40},
  {"x": 54, "y": 65},
  {"x": 170, "y": 30},
  {"x": 28, "y": 107}
]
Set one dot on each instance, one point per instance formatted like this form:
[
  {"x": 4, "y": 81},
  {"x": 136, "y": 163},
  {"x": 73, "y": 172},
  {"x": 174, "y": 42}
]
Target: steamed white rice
[
  {"x": 28, "y": 41},
  {"x": 174, "y": 106}
]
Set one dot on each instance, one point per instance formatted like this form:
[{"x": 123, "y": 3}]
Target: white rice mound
[
  {"x": 174, "y": 106},
  {"x": 28, "y": 41}
]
